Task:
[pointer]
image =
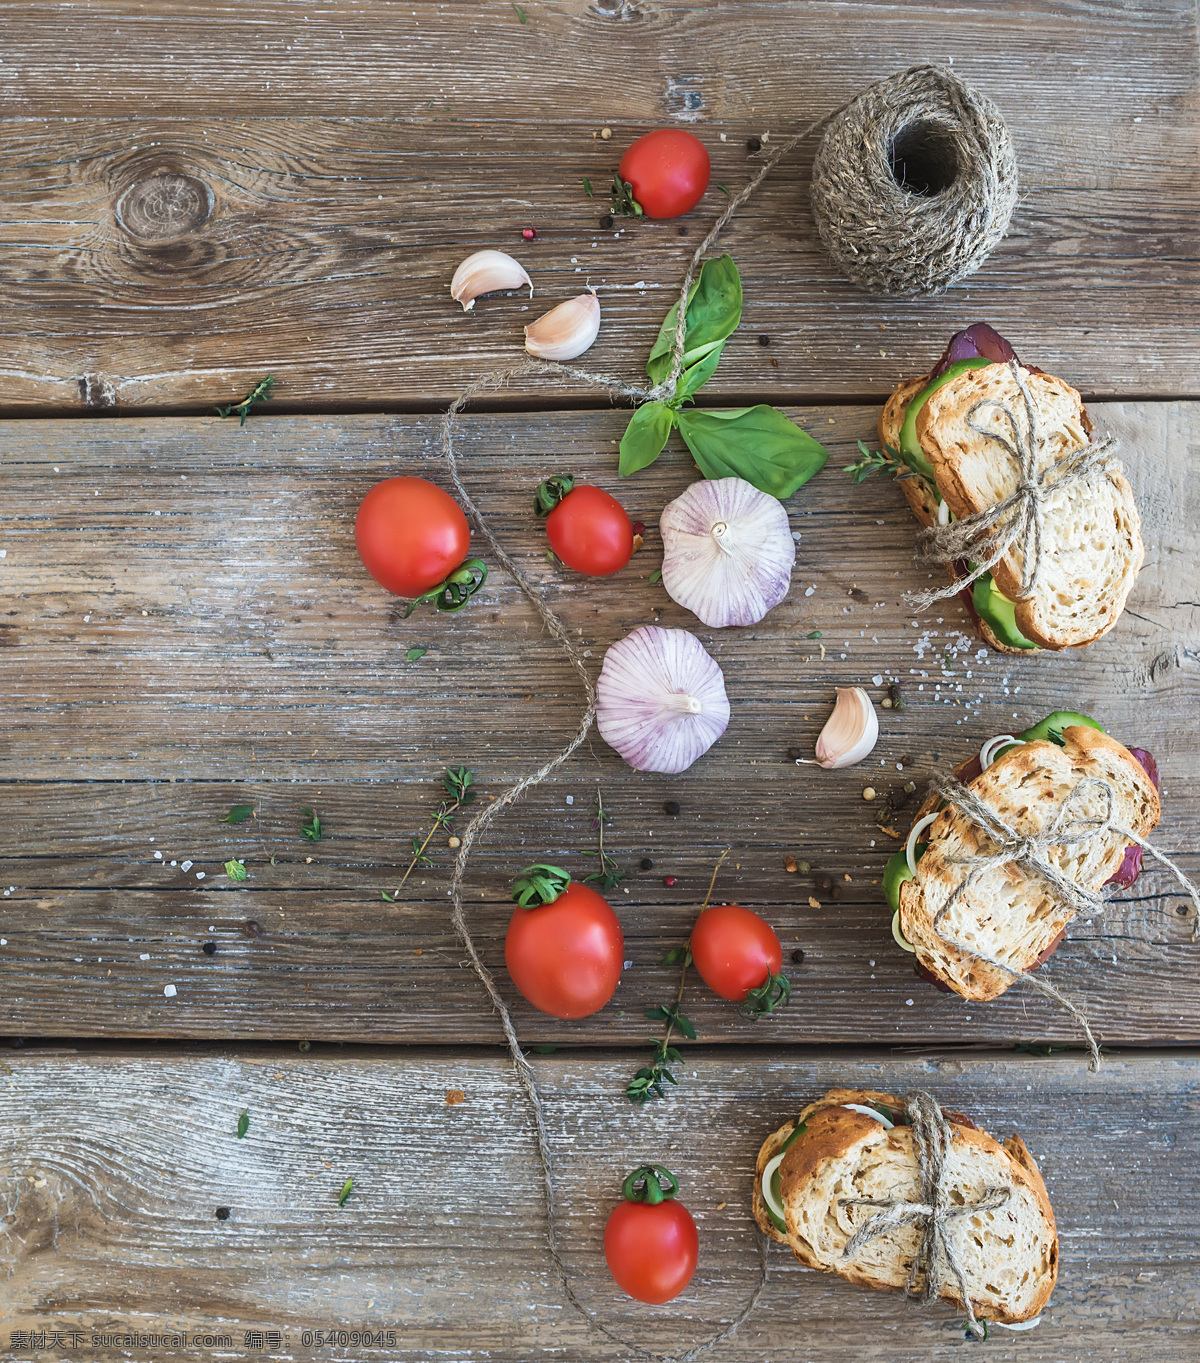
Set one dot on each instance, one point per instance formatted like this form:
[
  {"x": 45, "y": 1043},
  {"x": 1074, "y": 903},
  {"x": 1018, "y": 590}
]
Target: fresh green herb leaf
[
  {"x": 312, "y": 829},
  {"x": 520, "y": 14},
  {"x": 272, "y": 858},
  {"x": 416, "y": 652},
  {"x": 645, "y": 437},
  {"x": 543, "y": 1050},
  {"x": 587, "y": 188},
  {"x": 261, "y": 392},
  {"x": 347, "y": 1189},
  {"x": 389, "y": 898},
  {"x": 813, "y": 634},
  {"x": 235, "y": 870},
  {"x": 239, "y": 814},
  {"x": 886, "y": 460},
  {"x": 714, "y": 312},
  {"x": 696, "y": 375},
  {"x": 655, "y": 576},
  {"x": 758, "y": 444},
  {"x": 609, "y": 876},
  {"x": 243, "y": 1124},
  {"x": 725, "y": 191}
]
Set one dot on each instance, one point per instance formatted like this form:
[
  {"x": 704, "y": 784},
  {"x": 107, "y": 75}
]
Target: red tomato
[
  {"x": 668, "y": 170},
  {"x": 566, "y": 957},
  {"x": 734, "y": 950},
  {"x": 410, "y": 535},
  {"x": 591, "y": 532},
  {"x": 651, "y": 1249}
]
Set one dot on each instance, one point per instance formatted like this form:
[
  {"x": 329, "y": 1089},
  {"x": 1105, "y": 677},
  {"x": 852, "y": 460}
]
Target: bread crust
[
  {"x": 835, "y": 1134},
  {"x": 1031, "y": 770}
]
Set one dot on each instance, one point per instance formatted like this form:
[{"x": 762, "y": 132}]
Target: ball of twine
[{"x": 914, "y": 183}]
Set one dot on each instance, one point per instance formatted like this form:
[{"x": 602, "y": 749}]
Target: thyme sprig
[
  {"x": 261, "y": 392},
  {"x": 648, "y": 1082},
  {"x": 459, "y": 784},
  {"x": 886, "y": 460},
  {"x": 608, "y": 877}
]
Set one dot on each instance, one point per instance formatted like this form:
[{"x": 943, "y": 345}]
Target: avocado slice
[
  {"x": 910, "y": 446},
  {"x": 895, "y": 873},
  {"x": 1053, "y": 725},
  {"x": 994, "y": 607}
]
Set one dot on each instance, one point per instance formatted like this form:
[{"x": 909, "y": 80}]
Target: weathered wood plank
[
  {"x": 260, "y": 620},
  {"x": 112, "y": 1167},
  {"x": 319, "y": 176}
]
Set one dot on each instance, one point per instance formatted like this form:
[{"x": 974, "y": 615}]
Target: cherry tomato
[
  {"x": 651, "y": 1245},
  {"x": 734, "y": 950},
  {"x": 668, "y": 170},
  {"x": 591, "y": 532},
  {"x": 566, "y": 956},
  {"x": 410, "y": 535}
]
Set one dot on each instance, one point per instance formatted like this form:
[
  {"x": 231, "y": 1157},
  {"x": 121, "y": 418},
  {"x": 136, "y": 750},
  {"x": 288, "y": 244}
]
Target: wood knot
[{"x": 164, "y": 206}]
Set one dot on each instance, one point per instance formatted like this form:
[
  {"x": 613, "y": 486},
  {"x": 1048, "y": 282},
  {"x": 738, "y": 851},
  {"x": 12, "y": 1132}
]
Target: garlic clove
[
  {"x": 850, "y": 732},
  {"x": 487, "y": 272},
  {"x": 565, "y": 331},
  {"x": 660, "y": 699},
  {"x": 727, "y": 551}
]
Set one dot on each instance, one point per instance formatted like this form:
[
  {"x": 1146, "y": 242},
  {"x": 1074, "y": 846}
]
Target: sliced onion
[
  {"x": 901, "y": 940},
  {"x": 944, "y": 516},
  {"x": 987, "y": 754},
  {"x": 870, "y": 1112},
  {"x": 767, "y": 1175},
  {"x": 910, "y": 848},
  {"x": 1020, "y": 1325}
]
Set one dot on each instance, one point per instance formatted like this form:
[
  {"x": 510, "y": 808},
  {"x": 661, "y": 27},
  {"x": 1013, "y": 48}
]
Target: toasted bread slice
[
  {"x": 1011, "y": 914},
  {"x": 1092, "y": 533},
  {"x": 1010, "y": 1255},
  {"x": 917, "y": 491}
]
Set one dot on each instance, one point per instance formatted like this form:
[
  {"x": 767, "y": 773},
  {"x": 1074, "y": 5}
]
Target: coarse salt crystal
[
  {"x": 158, "y": 856},
  {"x": 570, "y": 799},
  {"x": 808, "y": 591},
  {"x": 170, "y": 991},
  {"x": 184, "y": 865},
  {"x": 200, "y": 875},
  {"x": 145, "y": 956},
  {"x": 877, "y": 680}
]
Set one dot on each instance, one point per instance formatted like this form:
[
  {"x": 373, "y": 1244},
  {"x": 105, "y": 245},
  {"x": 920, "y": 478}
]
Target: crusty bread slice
[
  {"x": 1010, "y": 914},
  {"x": 1010, "y": 1255},
  {"x": 917, "y": 491},
  {"x": 1092, "y": 533}
]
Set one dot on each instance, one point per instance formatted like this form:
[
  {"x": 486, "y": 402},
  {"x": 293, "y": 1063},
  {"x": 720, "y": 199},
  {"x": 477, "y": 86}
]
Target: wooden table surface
[{"x": 192, "y": 196}]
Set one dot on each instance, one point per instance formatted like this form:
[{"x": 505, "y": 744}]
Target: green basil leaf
[
  {"x": 696, "y": 375},
  {"x": 714, "y": 310},
  {"x": 645, "y": 436},
  {"x": 758, "y": 444}
]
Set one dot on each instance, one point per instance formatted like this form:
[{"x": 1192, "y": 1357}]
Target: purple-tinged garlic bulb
[
  {"x": 660, "y": 699},
  {"x": 727, "y": 551}
]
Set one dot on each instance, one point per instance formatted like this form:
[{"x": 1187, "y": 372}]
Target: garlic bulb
[
  {"x": 565, "y": 331},
  {"x": 660, "y": 699},
  {"x": 487, "y": 272},
  {"x": 850, "y": 732},
  {"x": 728, "y": 551}
]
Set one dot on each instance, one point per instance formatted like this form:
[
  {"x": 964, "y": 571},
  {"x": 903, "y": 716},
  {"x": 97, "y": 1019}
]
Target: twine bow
[
  {"x": 1066, "y": 829},
  {"x": 984, "y": 537},
  {"x": 934, "y": 1213}
]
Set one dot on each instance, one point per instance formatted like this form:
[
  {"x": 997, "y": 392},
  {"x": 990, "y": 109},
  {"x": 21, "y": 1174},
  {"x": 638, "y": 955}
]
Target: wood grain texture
[
  {"x": 112, "y": 1167},
  {"x": 192, "y": 198},
  {"x": 267, "y": 669}
]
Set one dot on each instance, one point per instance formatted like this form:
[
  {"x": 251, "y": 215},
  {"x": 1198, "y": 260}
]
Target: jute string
[
  {"x": 486, "y": 814},
  {"x": 934, "y": 1213},
  {"x": 1030, "y": 851},
  {"x": 1018, "y": 519}
]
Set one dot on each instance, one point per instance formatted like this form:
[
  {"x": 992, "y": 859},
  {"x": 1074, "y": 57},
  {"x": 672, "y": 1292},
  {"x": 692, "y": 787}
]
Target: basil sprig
[{"x": 758, "y": 444}]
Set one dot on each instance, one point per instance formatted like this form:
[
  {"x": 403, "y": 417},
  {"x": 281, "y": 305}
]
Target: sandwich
[
  {"x": 857, "y": 1143},
  {"x": 1011, "y": 914},
  {"x": 948, "y": 469}
]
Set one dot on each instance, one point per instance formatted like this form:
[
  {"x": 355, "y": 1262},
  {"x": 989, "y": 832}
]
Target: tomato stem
[
  {"x": 651, "y": 1178},
  {"x": 457, "y": 589}
]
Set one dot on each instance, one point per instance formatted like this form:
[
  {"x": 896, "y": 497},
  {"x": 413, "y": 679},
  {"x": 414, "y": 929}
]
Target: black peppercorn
[
  {"x": 671, "y": 807},
  {"x": 252, "y": 928},
  {"x": 798, "y": 956},
  {"x": 763, "y": 338},
  {"x": 647, "y": 864},
  {"x": 795, "y": 754},
  {"x": 16, "y": 1042},
  {"x": 824, "y": 883},
  {"x": 682, "y": 230},
  {"x": 754, "y": 144},
  {"x": 606, "y": 221},
  {"x": 209, "y": 948},
  {"x": 222, "y": 1213}
]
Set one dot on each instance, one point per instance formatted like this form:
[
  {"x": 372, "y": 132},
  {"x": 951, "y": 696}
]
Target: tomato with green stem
[
  {"x": 651, "y": 1243},
  {"x": 565, "y": 948},
  {"x": 738, "y": 956},
  {"x": 588, "y": 529},
  {"x": 666, "y": 171}
]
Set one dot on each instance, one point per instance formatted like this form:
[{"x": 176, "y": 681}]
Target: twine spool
[{"x": 914, "y": 183}]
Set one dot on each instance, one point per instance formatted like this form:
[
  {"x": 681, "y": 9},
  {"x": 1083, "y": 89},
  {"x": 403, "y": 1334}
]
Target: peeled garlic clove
[
  {"x": 487, "y": 272},
  {"x": 850, "y": 732},
  {"x": 660, "y": 699},
  {"x": 565, "y": 331},
  {"x": 727, "y": 551}
]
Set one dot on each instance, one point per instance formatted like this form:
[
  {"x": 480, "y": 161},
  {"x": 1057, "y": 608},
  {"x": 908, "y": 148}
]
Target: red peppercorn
[
  {"x": 639, "y": 527},
  {"x": 529, "y": 233},
  {"x": 668, "y": 881}
]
